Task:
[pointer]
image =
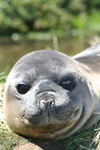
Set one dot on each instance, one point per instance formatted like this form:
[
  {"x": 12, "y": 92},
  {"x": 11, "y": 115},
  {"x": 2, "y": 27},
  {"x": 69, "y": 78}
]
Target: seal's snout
[{"x": 47, "y": 102}]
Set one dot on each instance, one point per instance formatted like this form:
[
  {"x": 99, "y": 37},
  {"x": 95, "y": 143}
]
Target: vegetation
[{"x": 26, "y": 16}]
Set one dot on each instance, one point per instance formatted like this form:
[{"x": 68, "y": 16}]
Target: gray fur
[{"x": 48, "y": 110}]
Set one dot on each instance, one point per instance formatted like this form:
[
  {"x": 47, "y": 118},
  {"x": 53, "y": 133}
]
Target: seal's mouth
[
  {"x": 48, "y": 130},
  {"x": 48, "y": 113},
  {"x": 45, "y": 118},
  {"x": 49, "y": 116}
]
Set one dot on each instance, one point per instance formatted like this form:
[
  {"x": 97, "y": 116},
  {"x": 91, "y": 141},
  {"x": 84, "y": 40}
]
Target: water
[{"x": 10, "y": 52}]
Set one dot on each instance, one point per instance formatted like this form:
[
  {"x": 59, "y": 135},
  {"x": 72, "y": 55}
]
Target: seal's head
[{"x": 47, "y": 96}]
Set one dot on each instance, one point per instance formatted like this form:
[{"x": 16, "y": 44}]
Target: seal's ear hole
[
  {"x": 23, "y": 89},
  {"x": 67, "y": 83}
]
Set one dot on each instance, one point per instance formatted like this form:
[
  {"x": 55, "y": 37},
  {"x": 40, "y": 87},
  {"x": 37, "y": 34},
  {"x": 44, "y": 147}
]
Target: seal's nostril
[
  {"x": 47, "y": 103},
  {"x": 42, "y": 101},
  {"x": 52, "y": 102}
]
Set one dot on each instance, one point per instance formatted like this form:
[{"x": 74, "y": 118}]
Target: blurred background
[{"x": 69, "y": 26}]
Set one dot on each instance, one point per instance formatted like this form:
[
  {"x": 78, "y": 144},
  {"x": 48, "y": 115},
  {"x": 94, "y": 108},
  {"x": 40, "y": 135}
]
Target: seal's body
[{"x": 49, "y": 95}]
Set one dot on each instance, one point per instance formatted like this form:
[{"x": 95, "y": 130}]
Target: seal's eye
[
  {"x": 67, "y": 83},
  {"x": 22, "y": 89}
]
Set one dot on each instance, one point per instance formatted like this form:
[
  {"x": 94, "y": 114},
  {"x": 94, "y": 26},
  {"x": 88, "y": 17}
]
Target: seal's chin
[{"x": 51, "y": 129}]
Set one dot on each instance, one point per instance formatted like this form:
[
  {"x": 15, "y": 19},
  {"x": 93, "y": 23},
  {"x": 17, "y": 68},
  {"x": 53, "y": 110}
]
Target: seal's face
[{"x": 42, "y": 97}]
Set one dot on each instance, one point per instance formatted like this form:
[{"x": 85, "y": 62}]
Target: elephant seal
[{"x": 49, "y": 95}]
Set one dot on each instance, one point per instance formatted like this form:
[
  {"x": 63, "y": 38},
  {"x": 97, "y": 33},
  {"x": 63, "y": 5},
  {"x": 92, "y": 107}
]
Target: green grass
[
  {"x": 88, "y": 140},
  {"x": 3, "y": 77},
  {"x": 80, "y": 141}
]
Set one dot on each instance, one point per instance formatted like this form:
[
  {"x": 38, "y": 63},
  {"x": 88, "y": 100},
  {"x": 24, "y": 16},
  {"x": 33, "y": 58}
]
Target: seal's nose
[{"x": 47, "y": 101}]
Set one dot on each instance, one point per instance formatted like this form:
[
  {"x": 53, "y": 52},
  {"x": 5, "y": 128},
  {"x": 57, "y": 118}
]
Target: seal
[{"x": 49, "y": 95}]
